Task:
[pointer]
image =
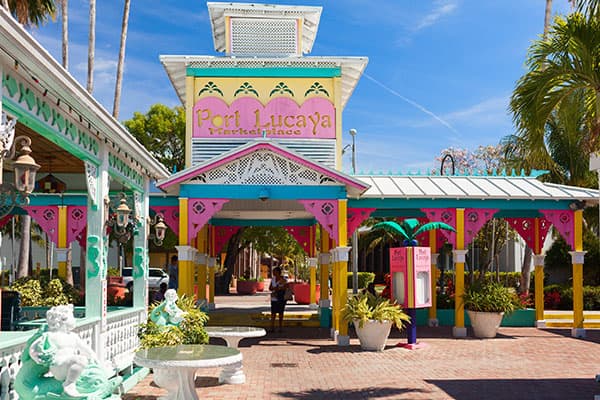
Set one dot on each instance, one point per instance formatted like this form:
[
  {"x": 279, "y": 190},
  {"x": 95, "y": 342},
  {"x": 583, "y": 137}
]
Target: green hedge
[
  {"x": 508, "y": 279},
  {"x": 364, "y": 278},
  {"x": 558, "y": 297}
]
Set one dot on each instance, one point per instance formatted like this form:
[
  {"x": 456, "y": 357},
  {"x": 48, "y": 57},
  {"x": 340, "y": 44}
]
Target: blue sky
[{"x": 440, "y": 72}]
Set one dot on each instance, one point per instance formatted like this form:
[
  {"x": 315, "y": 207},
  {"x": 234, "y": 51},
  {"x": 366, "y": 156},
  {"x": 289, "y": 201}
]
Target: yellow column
[
  {"x": 459, "y": 255},
  {"x": 185, "y": 284},
  {"x": 538, "y": 261},
  {"x": 342, "y": 265},
  {"x": 212, "y": 262},
  {"x": 324, "y": 261},
  {"x": 312, "y": 264},
  {"x": 433, "y": 321},
  {"x": 62, "y": 241},
  {"x": 538, "y": 275},
  {"x": 202, "y": 246},
  {"x": 577, "y": 258}
]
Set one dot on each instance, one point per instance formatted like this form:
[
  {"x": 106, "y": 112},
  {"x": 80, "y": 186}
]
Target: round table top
[
  {"x": 234, "y": 331},
  {"x": 188, "y": 355}
]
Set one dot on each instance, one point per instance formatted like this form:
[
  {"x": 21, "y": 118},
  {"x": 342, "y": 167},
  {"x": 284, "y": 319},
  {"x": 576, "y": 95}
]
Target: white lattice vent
[
  {"x": 266, "y": 36},
  {"x": 264, "y": 167},
  {"x": 257, "y": 63},
  {"x": 320, "y": 151}
]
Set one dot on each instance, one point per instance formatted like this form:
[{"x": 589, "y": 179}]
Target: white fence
[{"x": 115, "y": 345}]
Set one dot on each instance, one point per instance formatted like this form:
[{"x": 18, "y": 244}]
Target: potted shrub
[
  {"x": 189, "y": 331},
  {"x": 373, "y": 317},
  {"x": 486, "y": 303},
  {"x": 247, "y": 286}
]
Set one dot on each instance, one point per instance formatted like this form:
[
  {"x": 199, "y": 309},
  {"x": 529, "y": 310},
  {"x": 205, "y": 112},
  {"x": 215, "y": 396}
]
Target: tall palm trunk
[
  {"x": 69, "y": 275},
  {"x": 24, "y": 247},
  {"x": 64, "y": 5},
  {"x": 526, "y": 266},
  {"x": 121, "y": 62},
  {"x": 547, "y": 17},
  {"x": 91, "y": 47}
]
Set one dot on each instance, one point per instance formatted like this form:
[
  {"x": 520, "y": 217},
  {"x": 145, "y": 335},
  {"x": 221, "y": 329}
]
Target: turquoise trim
[
  {"x": 445, "y": 317},
  {"x": 279, "y": 72},
  {"x": 275, "y": 192},
  {"x": 42, "y": 129},
  {"x": 164, "y": 201},
  {"x": 517, "y": 204},
  {"x": 262, "y": 222},
  {"x": 408, "y": 213},
  {"x": 42, "y": 199}
]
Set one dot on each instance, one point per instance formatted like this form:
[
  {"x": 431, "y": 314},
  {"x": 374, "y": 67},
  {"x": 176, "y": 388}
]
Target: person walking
[
  {"x": 174, "y": 273},
  {"x": 278, "y": 287}
]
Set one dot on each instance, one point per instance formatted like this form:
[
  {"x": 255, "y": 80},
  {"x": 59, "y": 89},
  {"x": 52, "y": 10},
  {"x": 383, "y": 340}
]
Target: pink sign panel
[{"x": 281, "y": 117}]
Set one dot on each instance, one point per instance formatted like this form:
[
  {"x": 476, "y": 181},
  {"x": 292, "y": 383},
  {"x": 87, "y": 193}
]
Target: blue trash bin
[{"x": 325, "y": 317}]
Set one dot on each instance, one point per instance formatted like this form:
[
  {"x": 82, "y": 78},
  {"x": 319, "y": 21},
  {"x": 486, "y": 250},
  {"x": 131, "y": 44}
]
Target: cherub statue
[
  {"x": 58, "y": 364},
  {"x": 167, "y": 312}
]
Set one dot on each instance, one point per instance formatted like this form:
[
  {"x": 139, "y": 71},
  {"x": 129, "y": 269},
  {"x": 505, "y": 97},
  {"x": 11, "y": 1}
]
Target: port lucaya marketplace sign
[{"x": 246, "y": 117}]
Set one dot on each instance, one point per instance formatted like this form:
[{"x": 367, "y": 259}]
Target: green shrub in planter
[
  {"x": 364, "y": 278},
  {"x": 490, "y": 297},
  {"x": 190, "y": 330},
  {"x": 365, "y": 307}
]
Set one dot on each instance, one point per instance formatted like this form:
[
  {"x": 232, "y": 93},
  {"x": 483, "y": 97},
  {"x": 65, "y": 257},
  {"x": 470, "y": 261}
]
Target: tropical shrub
[
  {"x": 190, "y": 330},
  {"x": 364, "y": 278},
  {"x": 41, "y": 292},
  {"x": 490, "y": 297},
  {"x": 364, "y": 307}
]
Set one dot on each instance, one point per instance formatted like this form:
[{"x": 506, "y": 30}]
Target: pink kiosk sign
[
  {"x": 281, "y": 117},
  {"x": 410, "y": 270}
]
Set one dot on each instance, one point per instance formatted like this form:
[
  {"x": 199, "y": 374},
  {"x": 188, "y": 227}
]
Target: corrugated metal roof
[{"x": 471, "y": 187}]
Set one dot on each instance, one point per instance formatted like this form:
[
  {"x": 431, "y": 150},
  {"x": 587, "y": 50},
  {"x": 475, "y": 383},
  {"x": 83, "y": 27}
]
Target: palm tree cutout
[{"x": 409, "y": 229}]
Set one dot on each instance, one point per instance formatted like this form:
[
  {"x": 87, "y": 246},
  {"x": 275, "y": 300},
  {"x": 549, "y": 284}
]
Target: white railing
[
  {"x": 120, "y": 341},
  {"x": 10, "y": 358},
  {"x": 121, "y": 338}
]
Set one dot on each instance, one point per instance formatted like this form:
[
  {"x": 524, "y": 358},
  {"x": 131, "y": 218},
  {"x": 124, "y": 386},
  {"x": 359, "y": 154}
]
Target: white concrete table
[
  {"x": 233, "y": 334},
  {"x": 175, "y": 367}
]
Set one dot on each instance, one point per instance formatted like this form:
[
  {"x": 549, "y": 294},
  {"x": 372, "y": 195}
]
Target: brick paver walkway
[{"x": 303, "y": 363}]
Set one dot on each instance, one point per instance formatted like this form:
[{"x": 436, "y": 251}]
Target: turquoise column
[
  {"x": 97, "y": 249},
  {"x": 140, "y": 247}
]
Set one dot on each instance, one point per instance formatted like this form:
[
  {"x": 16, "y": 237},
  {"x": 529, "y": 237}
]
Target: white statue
[
  {"x": 167, "y": 312},
  {"x": 65, "y": 353}
]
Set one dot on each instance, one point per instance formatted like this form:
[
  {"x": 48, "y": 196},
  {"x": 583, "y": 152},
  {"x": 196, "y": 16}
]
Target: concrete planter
[
  {"x": 485, "y": 324},
  {"x": 302, "y": 293},
  {"x": 373, "y": 335},
  {"x": 247, "y": 287}
]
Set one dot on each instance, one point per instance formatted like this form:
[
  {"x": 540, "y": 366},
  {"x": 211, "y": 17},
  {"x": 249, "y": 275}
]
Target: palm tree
[
  {"x": 64, "y": 9},
  {"x": 91, "y": 47},
  {"x": 31, "y": 12},
  {"x": 547, "y": 16},
  {"x": 120, "y": 64},
  {"x": 565, "y": 62},
  {"x": 409, "y": 229}
]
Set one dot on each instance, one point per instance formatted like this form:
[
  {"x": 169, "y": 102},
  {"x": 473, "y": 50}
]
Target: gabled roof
[
  {"x": 19, "y": 45},
  {"x": 471, "y": 187},
  {"x": 289, "y": 160}
]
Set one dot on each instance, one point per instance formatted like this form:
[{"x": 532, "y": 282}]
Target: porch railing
[{"x": 119, "y": 342}]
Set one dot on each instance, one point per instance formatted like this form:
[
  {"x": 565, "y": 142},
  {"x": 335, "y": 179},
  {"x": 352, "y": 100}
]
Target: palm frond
[
  {"x": 434, "y": 225},
  {"x": 392, "y": 227}
]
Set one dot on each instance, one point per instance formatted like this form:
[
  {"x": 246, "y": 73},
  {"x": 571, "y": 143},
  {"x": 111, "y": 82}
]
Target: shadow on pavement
[
  {"x": 517, "y": 389},
  {"x": 366, "y": 393}
]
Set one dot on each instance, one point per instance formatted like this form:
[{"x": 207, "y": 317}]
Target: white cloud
[
  {"x": 489, "y": 111},
  {"x": 442, "y": 8}
]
